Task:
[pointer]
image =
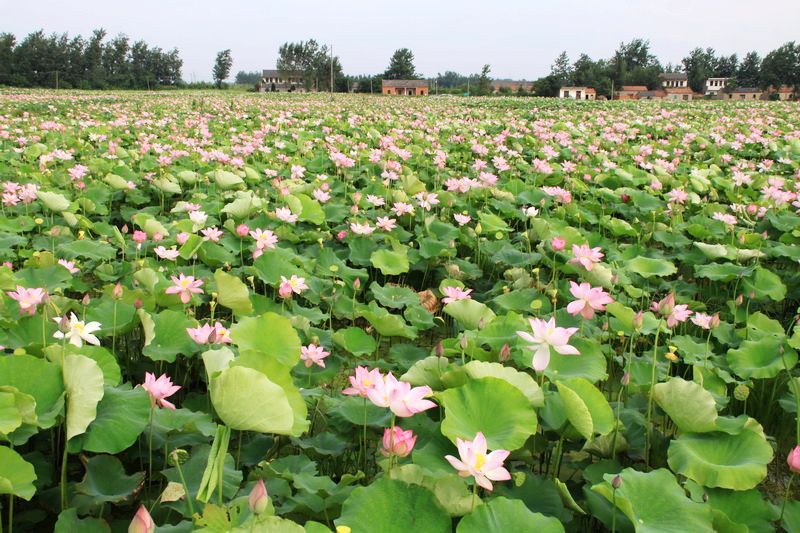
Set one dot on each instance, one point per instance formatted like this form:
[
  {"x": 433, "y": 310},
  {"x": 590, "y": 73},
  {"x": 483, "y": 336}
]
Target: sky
[{"x": 519, "y": 39}]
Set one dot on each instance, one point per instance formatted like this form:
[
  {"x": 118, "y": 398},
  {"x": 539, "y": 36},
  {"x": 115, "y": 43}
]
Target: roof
[
  {"x": 679, "y": 90},
  {"x": 585, "y": 89},
  {"x": 785, "y": 89},
  {"x": 673, "y": 76},
  {"x": 509, "y": 83},
  {"x": 652, "y": 94},
  {"x": 404, "y": 83},
  {"x": 272, "y": 73},
  {"x": 712, "y": 78},
  {"x": 746, "y": 90},
  {"x": 633, "y": 88}
]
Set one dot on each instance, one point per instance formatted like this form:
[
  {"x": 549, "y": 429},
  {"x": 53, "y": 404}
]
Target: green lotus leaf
[
  {"x": 762, "y": 358},
  {"x": 232, "y": 293},
  {"x": 271, "y": 334},
  {"x": 355, "y": 340},
  {"x": 122, "y": 415},
  {"x": 501, "y": 515},
  {"x": 470, "y": 313},
  {"x": 689, "y": 405},
  {"x": 106, "y": 481},
  {"x": 390, "y": 262},
  {"x": 586, "y": 407},
  {"x": 648, "y": 267},
  {"x": 83, "y": 382},
  {"x": 16, "y": 474}
]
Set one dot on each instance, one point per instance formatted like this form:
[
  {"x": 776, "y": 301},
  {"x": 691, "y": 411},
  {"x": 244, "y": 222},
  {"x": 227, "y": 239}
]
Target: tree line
[{"x": 41, "y": 60}]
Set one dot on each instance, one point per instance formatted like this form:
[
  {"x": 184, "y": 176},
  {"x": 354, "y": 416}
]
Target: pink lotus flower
[
  {"x": 212, "y": 234},
  {"x": 201, "y": 334},
  {"x": 182, "y": 237},
  {"x": 386, "y": 223},
  {"x": 242, "y": 230},
  {"x": 170, "y": 254},
  {"x": 462, "y": 219},
  {"x": 589, "y": 300},
  {"x": 363, "y": 381},
  {"x": 400, "y": 397},
  {"x": 558, "y": 243},
  {"x": 285, "y": 214},
  {"x": 706, "y": 321},
  {"x": 292, "y": 285},
  {"x": 313, "y": 354},
  {"x": 258, "y": 500},
  {"x": 28, "y": 299},
  {"x": 142, "y": 522},
  {"x": 398, "y": 442},
  {"x": 794, "y": 459},
  {"x": 264, "y": 239},
  {"x": 475, "y": 462},
  {"x": 159, "y": 389},
  {"x": 69, "y": 265},
  {"x": 453, "y": 294},
  {"x": 547, "y": 335},
  {"x": 76, "y": 331},
  {"x": 672, "y": 312},
  {"x": 185, "y": 286},
  {"x": 586, "y": 256},
  {"x": 222, "y": 335},
  {"x": 139, "y": 236}
]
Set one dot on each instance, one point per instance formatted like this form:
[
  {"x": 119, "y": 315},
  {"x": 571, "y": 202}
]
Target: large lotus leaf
[
  {"x": 766, "y": 284},
  {"x": 246, "y": 400},
  {"x": 357, "y": 411},
  {"x": 647, "y": 267},
  {"x": 655, "y": 503},
  {"x": 721, "y": 271},
  {"x": 106, "y": 480},
  {"x": 83, "y": 381},
  {"x": 40, "y": 379},
  {"x": 501, "y": 515},
  {"x": 386, "y": 323},
  {"x": 469, "y": 313},
  {"x": 522, "y": 381},
  {"x": 355, "y": 340},
  {"x": 166, "y": 336},
  {"x": 122, "y": 415},
  {"x": 762, "y": 358},
  {"x": 394, "y": 296},
  {"x": 748, "y": 508},
  {"x": 271, "y": 334},
  {"x": 16, "y": 409},
  {"x": 451, "y": 492},
  {"x": 16, "y": 474},
  {"x": 243, "y": 206},
  {"x": 492, "y": 406},
  {"x": 590, "y": 364},
  {"x": 391, "y": 506},
  {"x": 311, "y": 210},
  {"x": 689, "y": 405},
  {"x": 272, "y": 264},
  {"x": 97, "y": 250},
  {"x": 730, "y": 461},
  {"x": 232, "y": 293},
  {"x": 586, "y": 407},
  {"x": 390, "y": 262},
  {"x": 53, "y": 200},
  {"x": 112, "y": 374},
  {"x": 68, "y": 522},
  {"x": 227, "y": 180}
]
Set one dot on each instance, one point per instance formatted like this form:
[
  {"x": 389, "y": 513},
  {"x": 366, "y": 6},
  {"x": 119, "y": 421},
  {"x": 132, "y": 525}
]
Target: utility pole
[{"x": 612, "y": 88}]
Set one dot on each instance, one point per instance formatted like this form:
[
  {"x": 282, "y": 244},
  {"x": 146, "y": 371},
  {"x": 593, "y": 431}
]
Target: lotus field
[{"x": 246, "y": 313}]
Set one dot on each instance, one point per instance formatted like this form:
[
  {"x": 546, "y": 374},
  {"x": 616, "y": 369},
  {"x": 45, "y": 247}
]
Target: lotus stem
[{"x": 649, "y": 430}]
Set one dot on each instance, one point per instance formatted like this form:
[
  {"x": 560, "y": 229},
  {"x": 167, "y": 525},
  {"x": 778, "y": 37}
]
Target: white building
[
  {"x": 674, "y": 80},
  {"x": 713, "y": 86},
  {"x": 577, "y": 93}
]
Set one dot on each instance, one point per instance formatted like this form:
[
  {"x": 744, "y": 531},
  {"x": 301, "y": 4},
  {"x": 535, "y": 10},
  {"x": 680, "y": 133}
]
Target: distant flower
[
  {"x": 185, "y": 286},
  {"x": 462, "y": 219},
  {"x": 142, "y": 522},
  {"x": 298, "y": 171},
  {"x": 586, "y": 256},
  {"x": 673, "y": 313},
  {"x": 139, "y": 237},
  {"x": 476, "y": 462},
  {"x": 198, "y": 218},
  {"x": 361, "y": 229},
  {"x": 211, "y": 234},
  {"x": 727, "y": 219},
  {"x": 398, "y": 442},
  {"x": 242, "y": 230},
  {"x": 363, "y": 380},
  {"x": 265, "y": 239},
  {"x": 588, "y": 300},
  {"x": 201, "y": 334},
  {"x": 159, "y": 389},
  {"x": 677, "y": 196},
  {"x": 401, "y": 208},
  {"x": 28, "y": 299},
  {"x": 321, "y": 196},
  {"x": 558, "y": 243},
  {"x": 170, "y": 254},
  {"x": 377, "y": 201},
  {"x": 427, "y": 200},
  {"x": 294, "y": 285},
  {"x": 285, "y": 214},
  {"x": 400, "y": 397},
  {"x": 76, "y": 331},
  {"x": 69, "y": 265},
  {"x": 547, "y": 335},
  {"x": 453, "y": 294},
  {"x": 182, "y": 237},
  {"x": 313, "y": 354},
  {"x": 386, "y": 223},
  {"x": 561, "y": 195},
  {"x": 705, "y": 321},
  {"x": 530, "y": 212}
]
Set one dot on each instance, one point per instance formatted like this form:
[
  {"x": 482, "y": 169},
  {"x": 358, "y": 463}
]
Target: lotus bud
[
  {"x": 714, "y": 321},
  {"x": 242, "y": 230},
  {"x": 117, "y": 292},
  {"x": 137, "y": 303},
  {"x": 558, "y": 243},
  {"x": 142, "y": 522},
  {"x": 124, "y": 229},
  {"x": 398, "y": 442},
  {"x": 626, "y": 379},
  {"x": 462, "y": 341},
  {"x": 357, "y": 284},
  {"x": 638, "y": 320},
  {"x": 505, "y": 352},
  {"x": 258, "y": 499},
  {"x": 616, "y": 482},
  {"x": 478, "y": 228},
  {"x": 439, "y": 349},
  {"x": 86, "y": 299},
  {"x": 739, "y": 300}
]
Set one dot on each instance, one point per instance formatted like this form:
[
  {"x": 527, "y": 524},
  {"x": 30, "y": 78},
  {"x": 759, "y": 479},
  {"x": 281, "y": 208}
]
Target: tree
[
  {"x": 248, "y": 78},
  {"x": 401, "y": 66},
  {"x": 222, "y": 67},
  {"x": 699, "y": 66},
  {"x": 749, "y": 69},
  {"x": 633, "y": 64},
  {"x": 7, "y": 42},
  {"x": 561, "y": 70},
  {"x": 781, "y": 66},
  {"x": 484, "y": 82}
]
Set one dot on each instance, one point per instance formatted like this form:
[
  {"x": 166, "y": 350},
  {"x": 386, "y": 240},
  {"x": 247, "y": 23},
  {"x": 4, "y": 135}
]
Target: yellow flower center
[{"x": 480, "y": 460}]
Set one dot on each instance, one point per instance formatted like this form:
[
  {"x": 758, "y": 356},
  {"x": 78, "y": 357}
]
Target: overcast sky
[{"x": 518, "y": 38}]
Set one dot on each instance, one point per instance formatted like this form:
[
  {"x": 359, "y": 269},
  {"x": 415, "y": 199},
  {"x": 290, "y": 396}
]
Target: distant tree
[
  {"x": 726, "y": 66},
  {"x": 484, "y": 81},
  {"x": 699, "y": 66},
  {"x": 561, "y": 69},
  {"x": 547, "y": 86},
  {"x": 7, "y": 42},
  {"x": 115, "y": 62},
  {"x": 222, "y": 67},
  {"x": 248, "y": 78},
  {"x": 313, "y": 62},
  {"x": 781, "y": 67},
  {"x": 749, "y": 69},
  {"x": 401, "y": 66},
  {"x": 633, "y": 64}
]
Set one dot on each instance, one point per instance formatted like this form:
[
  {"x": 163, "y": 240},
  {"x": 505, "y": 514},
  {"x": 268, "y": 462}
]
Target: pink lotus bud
[
  {"x": 439, "y": 349},
  {"x": 794, "y": 459},
  {"x": 357, "y": 284},
  {"x": 463, "y": 342},
  {"x": 714, "y": 321},
  {"x": 157, "y": 236},
  {"x": 139, "y": 236},
  {"x": 353, "y": 209},
  {"x": 505, "y": 352},
  {"x": 616, "y": 482},
  {"x": 124, "y": 229},
  {"x": 558, "y": 243},
  {"x": 242, "y": 230},
  {"x": 739, "y": 300},
  {"x": 752, "y": 209},
  {"x": 8, "y": 264},
  {"x": 625, "y": 198},
  {"x": 341, "y": 235},
  {"x": 626, "y": 379},
  {"x": 86, "y": 299},
  {"x": 182, "y": 237},
  {"x": 63, "y": 324},
  {"x": 137, "y": 303},
  {"x": 357, "y": 197},
  {"x": 258, "y": 499},
  {"x": 285, "y": 290},
  {"x": 142, "y": 522},
  {"x": 638, "y": 320},
  {"x": 397, "y": 441},
  {"x": 117, "y": 292}
]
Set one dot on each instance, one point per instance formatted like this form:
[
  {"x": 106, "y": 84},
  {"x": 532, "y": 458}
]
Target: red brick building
[{"x": 405, "y": 87}]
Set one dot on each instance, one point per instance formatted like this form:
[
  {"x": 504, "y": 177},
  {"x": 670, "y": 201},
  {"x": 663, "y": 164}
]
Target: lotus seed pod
[{"x": 741, "y": 392}]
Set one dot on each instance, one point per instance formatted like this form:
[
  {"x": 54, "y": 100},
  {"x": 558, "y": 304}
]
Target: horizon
[{"x": 364, "y": 35}]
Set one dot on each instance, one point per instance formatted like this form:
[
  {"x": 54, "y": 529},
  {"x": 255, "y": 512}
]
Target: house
[
  {"x": 651, "y": 95},
  {"x": 275, "y": 81},
  {"x": 673, "y": 80},
  {"x": 713, "y": 86},
  {"x": 679, "y": 93},
  {"x": 784, "y": 93},
  {"x": 742, "y": 93},
  {"x": 511, "y": 86},
  {"x": 405, "y": 87},
  {"x": 630, "y": 92},
  {"x": 577, "y": 93}
]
